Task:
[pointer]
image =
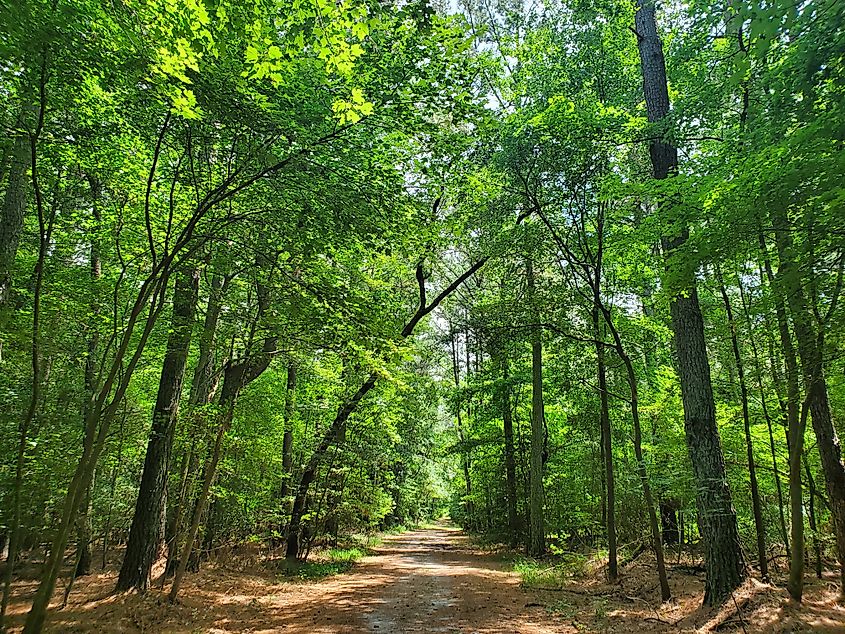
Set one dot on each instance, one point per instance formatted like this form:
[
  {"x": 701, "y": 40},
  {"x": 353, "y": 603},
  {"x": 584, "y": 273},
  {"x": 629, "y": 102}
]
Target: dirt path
[
  {"x": 431, "y": 581},
  {"x": 428, "y": 580},
  {"x": 423, "y": 581}
]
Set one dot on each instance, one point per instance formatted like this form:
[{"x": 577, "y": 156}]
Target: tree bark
[
  {"x": 756, "y": 506},
  {"x": 14, "y": 209},
  {"x": 723, "y": 552},
  {"x": 809, "y": 339},
  {"x": 537, "y": 533},
  {"x": 510, "y": 459},
  {"x": 145, "y": 533},
  {"x": 83, "y": 541},
  {"x": 607, "y": 445},
  {"x": 287, "y": 440}
]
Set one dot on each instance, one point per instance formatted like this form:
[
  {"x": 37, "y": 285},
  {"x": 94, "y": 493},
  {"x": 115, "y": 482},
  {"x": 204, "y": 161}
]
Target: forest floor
[{"x": 430, "y": 580}]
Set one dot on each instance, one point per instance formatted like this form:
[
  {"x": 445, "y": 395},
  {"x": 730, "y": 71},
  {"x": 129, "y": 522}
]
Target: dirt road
[
  {"x": 423, "y": 581},
  {"x": 429, "y": 580}
]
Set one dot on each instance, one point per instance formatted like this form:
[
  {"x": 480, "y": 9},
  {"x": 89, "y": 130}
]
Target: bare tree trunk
[
  {"x": 287, "y": 441},
  {"x": 537, "y": 531},
  {"x": 723, "y": 555},
  {"x": 145, "y": 533},
  {"x": 749, "y": 446},
  {"x": 510, "y": 460},
  {"x": 811, "y": 515},
  {"x": 810, "y": 344},
  {"x": 14, "y": 209}
]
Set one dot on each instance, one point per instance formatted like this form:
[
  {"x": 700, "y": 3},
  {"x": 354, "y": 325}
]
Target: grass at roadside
[
  {"x": 324, "y": 564},
  {"x": 327, "y": 562}
]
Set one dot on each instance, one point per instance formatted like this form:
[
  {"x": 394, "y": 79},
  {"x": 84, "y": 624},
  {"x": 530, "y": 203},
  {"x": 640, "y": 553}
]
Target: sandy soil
[{"x": 430, "y": 580}]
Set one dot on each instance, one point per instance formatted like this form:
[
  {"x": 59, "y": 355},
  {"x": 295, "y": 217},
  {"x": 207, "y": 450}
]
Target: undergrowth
[
  {"x": 551, "y": 575},
  {"x": 333, "y": 561}
]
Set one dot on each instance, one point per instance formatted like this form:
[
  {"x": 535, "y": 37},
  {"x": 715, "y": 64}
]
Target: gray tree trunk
[
  {"x": 723, "y": 551},
  {"x": 14, "y": 209},
  {"x": 145, "y": 533},
  {"x": 537, "y": 544}
]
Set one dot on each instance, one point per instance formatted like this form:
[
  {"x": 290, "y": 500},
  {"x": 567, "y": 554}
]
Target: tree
[{"x": 725, "y": 565}]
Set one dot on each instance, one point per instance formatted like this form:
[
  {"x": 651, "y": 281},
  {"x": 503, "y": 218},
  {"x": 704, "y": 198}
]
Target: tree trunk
[
  {"x": 45, "y": 226},
  {"x": 749, "y": 446},
  {"x": 203, "y": 386},
  {"x": 669, "y": 521},
  {"x": 236, "y": 377},
  {"x": 766, "y": 413},
  {"x": 723, "y": 551},
  {"x": 607, "y": 445},
  {"x": 811, "y": 515},
  {"x": 14, "y": 209},
  {"x": 510, "y": 459},
  {"x": 810, "y": 344},
  {"x": 199, "y": 509},
  {"x": 537, "y": 533},
  {"x": 642, "y": 472},
  {"x": 345, "y": 411},
  {"x": 796, "y": 424},
  {"x": 310, "y": 470},
  {"x": 83, "y": 541},
  {"x": 145, "y": 533},
  {"x": 287, "y": 441},
  {"x": 465, "y": 459}
]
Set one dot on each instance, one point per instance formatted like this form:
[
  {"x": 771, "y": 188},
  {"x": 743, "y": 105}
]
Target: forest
[{"x": 279, "y": 276}]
